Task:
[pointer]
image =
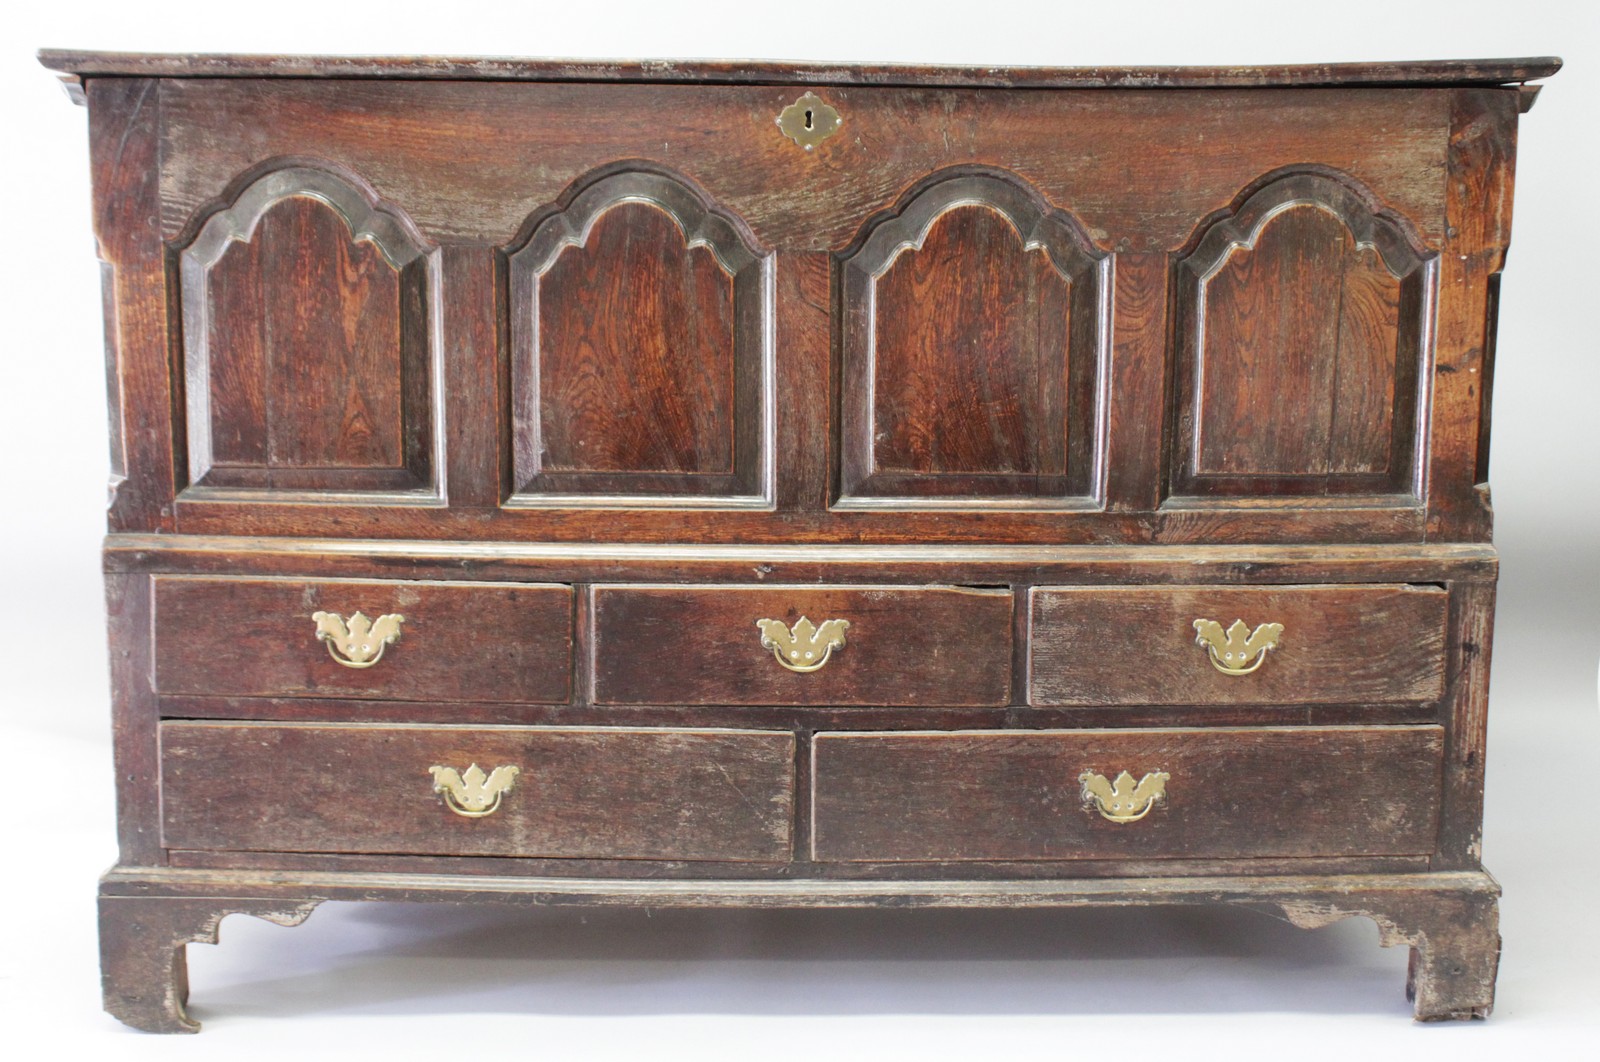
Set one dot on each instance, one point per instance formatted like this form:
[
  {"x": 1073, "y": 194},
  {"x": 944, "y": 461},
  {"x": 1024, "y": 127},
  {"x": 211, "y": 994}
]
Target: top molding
[{"x": 75, "y": 66}]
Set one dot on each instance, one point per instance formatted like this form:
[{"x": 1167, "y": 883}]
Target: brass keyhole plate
[{"x": 809, "y": 120}]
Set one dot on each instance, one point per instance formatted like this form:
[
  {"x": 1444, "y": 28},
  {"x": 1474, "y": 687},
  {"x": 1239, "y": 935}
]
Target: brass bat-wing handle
[
  {"x": 471, "y": 793},
  {"x": 1123, "y": 800},
  {"x": 804, "y": 647},
  {"x": 357, "y": 642},
  {"x": 1237, "y": 650}
]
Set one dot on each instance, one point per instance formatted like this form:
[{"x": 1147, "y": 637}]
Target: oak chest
[{"x": 780, "y": 485}]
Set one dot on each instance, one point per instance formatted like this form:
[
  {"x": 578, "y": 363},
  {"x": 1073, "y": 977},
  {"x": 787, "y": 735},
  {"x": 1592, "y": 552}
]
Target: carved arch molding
[
  {"x": 1302, "y": 324},
  {"x": 641, "y": 351},
  {"x": 310, "y": 358},
  {"x": 972, "y": 351}
]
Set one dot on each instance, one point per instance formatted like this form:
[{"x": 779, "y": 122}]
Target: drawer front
[
  {"x": 561, "y": 793},
  {"x": 288, "y": 638},
  {"x": 866, "y": 645},
  {"x": 1024, "y": 795},
  {"x": 1218, "y": 645}
]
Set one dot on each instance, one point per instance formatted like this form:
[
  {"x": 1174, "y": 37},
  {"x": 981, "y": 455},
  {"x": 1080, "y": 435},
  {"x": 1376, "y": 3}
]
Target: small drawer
[
  {"x": 580, "y": 792},
  {"x": 1237, "y": 645},
  {"x": 426, "y": 641},
  {"x": 802, "y": 645},
  {"x": 1188, "y": 793}
]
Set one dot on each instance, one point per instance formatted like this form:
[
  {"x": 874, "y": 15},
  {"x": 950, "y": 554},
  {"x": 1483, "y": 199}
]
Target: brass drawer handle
[
  {"x": 1239, "y": 650},
  {"x": 357, "y": 642},
  {"x": 806, "y": 646},
  {"x": 1123, "y": 800},
  {"x": 473, "y": 794}
]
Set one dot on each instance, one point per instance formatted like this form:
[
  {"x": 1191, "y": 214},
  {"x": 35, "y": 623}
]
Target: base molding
[{"x": 1448, "y": 919}]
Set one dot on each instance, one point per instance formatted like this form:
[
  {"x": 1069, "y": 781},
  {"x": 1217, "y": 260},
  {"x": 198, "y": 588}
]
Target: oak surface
[
  {"x": 256, "y": 637},
  {"x": 585, "y": 367},
  {"x": 581, "y": 793},
  {"x": 1231, "y": 793},
  {"x": 1354, "y": 644},
  {"x": 701, "y": 645}
]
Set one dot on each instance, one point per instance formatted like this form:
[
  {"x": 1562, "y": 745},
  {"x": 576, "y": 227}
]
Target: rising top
[{"x": 78, "y": 65}]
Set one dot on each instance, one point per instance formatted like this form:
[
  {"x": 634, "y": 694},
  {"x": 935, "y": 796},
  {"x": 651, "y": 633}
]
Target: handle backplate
[
  {"x": 471, "y": 793},
  {"x": 1237, "y": 650},
  {"x": 1123, "y": 800},
  {"x": 357, "y": 642},
  {"x": 804, "y": 647}
]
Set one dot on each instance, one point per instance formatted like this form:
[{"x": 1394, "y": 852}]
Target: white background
[{"x": 740, "y": 985}]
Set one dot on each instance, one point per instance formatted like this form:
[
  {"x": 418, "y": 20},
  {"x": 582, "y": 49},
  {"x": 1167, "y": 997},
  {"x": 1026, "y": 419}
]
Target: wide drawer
[
  {"x": 599, "y": 793},
  {"x": 1237, "y": 645},
  {"x": 880, "y": 645},
  {"x": 288, "y": 638},
  {"x": 1031, "y": 795}
]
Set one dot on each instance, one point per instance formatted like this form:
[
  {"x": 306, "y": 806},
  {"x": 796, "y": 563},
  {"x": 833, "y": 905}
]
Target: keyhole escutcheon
[{"x": 809, "y": 120}]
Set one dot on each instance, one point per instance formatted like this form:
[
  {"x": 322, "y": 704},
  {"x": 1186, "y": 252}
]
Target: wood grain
[
  {"x": 797, "y": 563},
  {"x": 700, "y": 645},
  {"x": 636, "y": 352},
  {"x": 125, "y": 131},
  {"x": 1195, "y": 151},
  {"x": 1350, "y": 644},
  {"x": 1268, "y": 792},
  {"x": 971, "y": 339},
  {"x": 305, "y": 345},
  {"x": 1138, "y": 381},
  {"x": 134, "y": 717},
  {"x": 1481, "y": 163},
  {"x": 639, "y": 329},
  {"x": 308, "y": 351},
  {"x": 582, "y": 793},
  {"x": 1273, "y": 373},
  {"x": 1301, "y": 322},
  {"x": 458, "y": 642}
]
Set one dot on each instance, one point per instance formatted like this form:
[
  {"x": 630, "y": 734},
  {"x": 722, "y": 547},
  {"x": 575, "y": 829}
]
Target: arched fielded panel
[
  {"x": 971, "y": 350},
  {"x": 1301, "y": 324},
  {"x": 640, "y": 352},
  {"x": 308, "y": 359}
]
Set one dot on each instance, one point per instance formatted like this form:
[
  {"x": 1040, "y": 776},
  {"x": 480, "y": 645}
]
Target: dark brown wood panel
[
  {"x": 639, "y": 328},
  {"x": 125, "y": 133},
  {"x": 976, "y": 795},
  {"x": 1482, "y": 168},
  {"x": 971, "y": 347},
  {"x": 701, "y": 645},
  {"x": 459, "y": 641},
  {"x": 580, "y": 793},
  {"x": 636, "y": 344},
  {"x": 1138, "y": 382},
  {"x": 1137, "y": 645},
  {"x": 1194, "y": 150},
  {"x": 1302, "y": 319},
  {"x": 304, "y": 333},
  {"x": 307, "y": 354}
]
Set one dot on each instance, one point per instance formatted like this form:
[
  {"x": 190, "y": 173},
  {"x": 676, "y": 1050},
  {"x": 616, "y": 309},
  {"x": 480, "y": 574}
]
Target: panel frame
[
  {"x": 1407, "y": 258},
  {"x": 566, "y": 225},
  {"x": 369, "y": 218},
  {"x": 857, "y": 484}
]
